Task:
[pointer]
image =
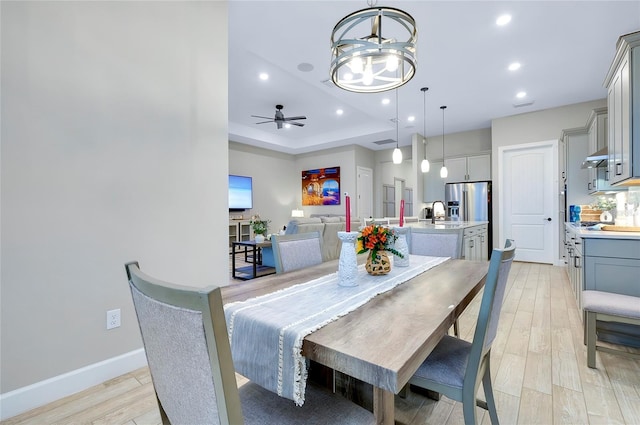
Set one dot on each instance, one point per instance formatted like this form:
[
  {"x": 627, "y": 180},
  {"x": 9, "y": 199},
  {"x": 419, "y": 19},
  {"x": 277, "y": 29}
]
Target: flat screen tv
[{"x": 240, "y": 193}]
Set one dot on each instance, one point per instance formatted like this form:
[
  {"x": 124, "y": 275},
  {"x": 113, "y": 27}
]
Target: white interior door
[
  {"x": 528, "y": 200},
  {"x": 365, "y": 192}
]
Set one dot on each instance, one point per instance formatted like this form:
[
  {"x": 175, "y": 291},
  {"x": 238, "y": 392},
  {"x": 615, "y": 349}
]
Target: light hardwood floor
[{"x": 539, "y": 370}]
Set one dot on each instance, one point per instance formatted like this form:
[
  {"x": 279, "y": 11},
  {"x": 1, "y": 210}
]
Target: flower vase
[
  {"x": 402, "y": 247},
  {"x": 259, "y": 238},
  {"x": 348, "y": 262},
  {"x": 380, "y": 265}
]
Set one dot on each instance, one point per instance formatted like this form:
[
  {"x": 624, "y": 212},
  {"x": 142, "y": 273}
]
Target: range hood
[{"x": 596, "y": 159}]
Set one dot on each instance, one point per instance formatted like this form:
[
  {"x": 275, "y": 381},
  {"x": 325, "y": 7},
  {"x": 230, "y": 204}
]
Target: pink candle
[
  {"x": 347, "y": 202},
  {"x": 401, "y": 212}
]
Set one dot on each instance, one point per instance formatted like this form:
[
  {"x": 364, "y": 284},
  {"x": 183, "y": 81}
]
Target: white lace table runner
[{"x": 266, "y": 332}]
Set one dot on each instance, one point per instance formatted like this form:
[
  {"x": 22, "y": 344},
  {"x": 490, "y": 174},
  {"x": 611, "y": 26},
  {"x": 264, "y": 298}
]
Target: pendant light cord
[
  {"x": 397, "y": 127},
  {"x": 424, "y": 121},
  {"x": 443, "y": 108}
]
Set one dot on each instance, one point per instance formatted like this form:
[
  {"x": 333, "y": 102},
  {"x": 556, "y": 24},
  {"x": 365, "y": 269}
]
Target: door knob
[{"x": 547, "y": 219}]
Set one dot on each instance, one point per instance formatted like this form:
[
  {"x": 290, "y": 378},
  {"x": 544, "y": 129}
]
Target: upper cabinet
[
  {"x": 468, "y": 168},
  {"x": 623, "y": 102},
  {"x": 598, "y": 134}
]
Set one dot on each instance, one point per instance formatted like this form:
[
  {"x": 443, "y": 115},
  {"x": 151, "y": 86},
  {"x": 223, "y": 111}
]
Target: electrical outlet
[{"x": 113, "y": 318}]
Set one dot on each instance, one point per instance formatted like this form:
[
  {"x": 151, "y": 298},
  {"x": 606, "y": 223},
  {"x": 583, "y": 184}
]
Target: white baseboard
[{"x": 26, "y": 398}]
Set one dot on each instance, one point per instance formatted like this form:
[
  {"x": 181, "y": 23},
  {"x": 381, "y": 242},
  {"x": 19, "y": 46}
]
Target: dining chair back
[
  {"x": 435, "y": 244},
  {"x": 456, "y": 367},
  {"x": 293, "y": 252},
  {"x": 185, "y": 338}
]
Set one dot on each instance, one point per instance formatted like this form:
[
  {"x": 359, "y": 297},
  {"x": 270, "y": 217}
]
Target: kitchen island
[
  {"x": 605, "y": 261},
  {"x": 474, "y": 240}
]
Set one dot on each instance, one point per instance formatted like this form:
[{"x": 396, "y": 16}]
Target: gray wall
[
  {"x": 533, "y": 127},
  {"x": 275, "y": 182},
  {"x": 114, "y": 144}
]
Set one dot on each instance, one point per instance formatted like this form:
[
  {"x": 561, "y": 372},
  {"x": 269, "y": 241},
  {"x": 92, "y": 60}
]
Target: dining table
[{"x": 383, "y": 341}]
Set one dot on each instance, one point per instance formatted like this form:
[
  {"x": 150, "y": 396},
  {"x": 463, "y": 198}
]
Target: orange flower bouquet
[{"x": 376, "y": 238}]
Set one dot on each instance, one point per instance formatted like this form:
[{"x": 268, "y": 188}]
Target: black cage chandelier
[{"x": 373, "y": 50}]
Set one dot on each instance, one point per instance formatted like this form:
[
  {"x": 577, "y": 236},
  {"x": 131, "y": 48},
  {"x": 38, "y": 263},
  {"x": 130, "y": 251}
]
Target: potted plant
[
  {"x": 377, "y": 240},
  {"x": 259, "y": 227}
]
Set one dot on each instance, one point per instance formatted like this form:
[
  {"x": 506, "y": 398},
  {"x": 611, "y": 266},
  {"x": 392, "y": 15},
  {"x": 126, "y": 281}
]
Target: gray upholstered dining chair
[
  {"x": 293, "y": 252},
  {"x": 435, "y": 244},
  {"x": 455, "y": 367},
  {"x": 187, "y": 347}
]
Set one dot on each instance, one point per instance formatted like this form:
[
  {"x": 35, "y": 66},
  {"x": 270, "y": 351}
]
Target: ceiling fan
[{"x": 280, "y": 119}]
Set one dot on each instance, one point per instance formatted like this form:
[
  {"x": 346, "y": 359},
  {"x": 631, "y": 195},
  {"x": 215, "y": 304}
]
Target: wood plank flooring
[{"x": 539, "y": 370}]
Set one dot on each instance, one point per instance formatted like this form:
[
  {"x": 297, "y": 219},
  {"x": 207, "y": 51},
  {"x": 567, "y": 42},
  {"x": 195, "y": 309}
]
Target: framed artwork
[{"x": 321, "y": 186}]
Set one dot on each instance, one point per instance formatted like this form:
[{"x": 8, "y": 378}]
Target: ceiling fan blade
[
  {"x": 264, "y": 118},
  {"x": 297, "y": 123},
  {"x": 264, "y": 122},
  {"x": 295, "y": 118}
]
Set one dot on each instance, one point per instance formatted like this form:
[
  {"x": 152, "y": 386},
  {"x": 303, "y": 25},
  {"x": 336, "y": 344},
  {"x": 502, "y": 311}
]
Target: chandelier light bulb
[
  {"x": 356, "y": 65},
  {"x": 367, "y": 76},
  {"x": 392, "y": 63}
]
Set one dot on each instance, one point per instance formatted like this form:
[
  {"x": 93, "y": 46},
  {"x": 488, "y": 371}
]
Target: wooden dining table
[{"x": 384, "y": 341}]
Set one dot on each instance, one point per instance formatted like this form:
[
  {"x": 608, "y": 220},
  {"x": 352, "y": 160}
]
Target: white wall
[
  {"x": 114, "y": 146},
  {"x": 529, "y": 128}
]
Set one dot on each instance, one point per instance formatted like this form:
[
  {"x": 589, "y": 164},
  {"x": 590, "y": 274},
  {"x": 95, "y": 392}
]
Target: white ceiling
[{"x": 565, "y": 49}]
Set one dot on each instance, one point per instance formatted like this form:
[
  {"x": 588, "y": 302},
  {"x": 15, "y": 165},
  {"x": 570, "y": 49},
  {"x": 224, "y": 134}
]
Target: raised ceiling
[{"x": 564, "y": 48}]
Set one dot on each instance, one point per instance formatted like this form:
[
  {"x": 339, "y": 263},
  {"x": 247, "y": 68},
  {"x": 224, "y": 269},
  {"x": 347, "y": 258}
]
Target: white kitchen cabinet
[
  {"x": 468, "y": 168},
  {"x": 475, "y": 243},
  {"x": 623, "y": 102}
]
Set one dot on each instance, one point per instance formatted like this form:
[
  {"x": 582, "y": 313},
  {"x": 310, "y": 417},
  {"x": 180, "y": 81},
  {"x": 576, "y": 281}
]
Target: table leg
[
  {"x": 233, "y": 261},
  {"x": 254, "y": 261},
  {"x": 383, "y": 406}
]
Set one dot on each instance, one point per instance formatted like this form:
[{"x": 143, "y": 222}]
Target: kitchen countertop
[
  {"x": 585, "y": 232},
  {"x": 446, "y": 225}
]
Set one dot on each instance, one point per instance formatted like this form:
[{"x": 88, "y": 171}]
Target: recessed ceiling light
[
  {"x": 521, "y": 94},
  {"x": 264, "y": 76},
  {"x": 503, "y": 20},
  {"x": 514, "y": 66},
  {"x": 339, "y": 112},
  {"x": 411, "y": 118},
  {"x": 385, "y": 101}
]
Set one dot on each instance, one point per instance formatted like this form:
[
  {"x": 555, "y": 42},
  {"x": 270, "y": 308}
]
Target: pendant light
[
  {"x": 424, "y": 165},
  {"x": 397, "y": 153},
  {"x": 443, "y": 171},
  {"x": 363, "y": 59}
]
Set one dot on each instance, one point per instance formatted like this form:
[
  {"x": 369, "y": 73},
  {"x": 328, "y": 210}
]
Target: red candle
[
  {"x": 347, "y": 202},
  {"x": 401, "y": 212}
]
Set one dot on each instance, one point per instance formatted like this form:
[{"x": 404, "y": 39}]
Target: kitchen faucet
[{"x": 433, "y": 210}]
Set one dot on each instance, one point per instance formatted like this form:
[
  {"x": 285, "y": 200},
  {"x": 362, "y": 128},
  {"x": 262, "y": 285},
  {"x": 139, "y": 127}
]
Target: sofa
[{"x": 327, "y": 225}]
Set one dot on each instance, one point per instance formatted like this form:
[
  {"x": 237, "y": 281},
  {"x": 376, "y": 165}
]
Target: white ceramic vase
[
  {"x": 401, "y": 246},
  {"x": 259, "y": 238},
  {"x": 348, "y": 262}
]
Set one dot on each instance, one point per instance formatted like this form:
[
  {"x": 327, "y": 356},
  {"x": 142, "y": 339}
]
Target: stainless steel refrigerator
[{"x": 469, "y": 201}]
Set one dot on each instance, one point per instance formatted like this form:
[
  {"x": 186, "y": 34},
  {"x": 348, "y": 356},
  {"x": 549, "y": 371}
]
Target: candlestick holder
[
  {"x": 348, "y": 262},
  {"x": 401, "y": 246}
]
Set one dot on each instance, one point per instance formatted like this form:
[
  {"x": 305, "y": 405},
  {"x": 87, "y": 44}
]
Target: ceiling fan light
[
  {"x": 424, "y": 166},
  {"x": 397, "y": 156},
  {"x": 444, "y": 172}
]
